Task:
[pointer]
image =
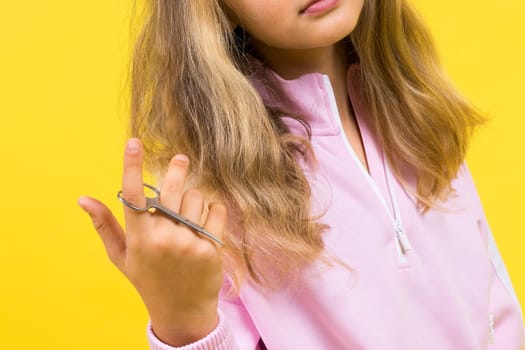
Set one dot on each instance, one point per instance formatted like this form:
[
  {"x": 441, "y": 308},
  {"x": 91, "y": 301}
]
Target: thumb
[{"x": 108, "y": 228}]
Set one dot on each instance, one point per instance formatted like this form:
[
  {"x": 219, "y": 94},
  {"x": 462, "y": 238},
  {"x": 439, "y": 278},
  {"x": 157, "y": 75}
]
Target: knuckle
[
  {"x": 219, "y": 209},
  {"x": 173, "y": 187},
  {"x": 193, "y": 195},
  {"x": 132, "y": 196},
  {"x": 104, "y": 216},
  {"x": 161, "y": 244},
  {"x": 99, "y": 225},
  {"x": 206, "y": 252},
  {"x": 185, "y": 247}
]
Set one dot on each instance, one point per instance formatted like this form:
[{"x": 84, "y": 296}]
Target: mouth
[
  {"x": 305, "y": 7},
  {"x": 310, "y": 3},
  {"x": 318, "y": 6}
]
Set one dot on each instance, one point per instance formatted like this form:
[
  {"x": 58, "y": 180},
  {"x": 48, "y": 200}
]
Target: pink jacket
[{"x": 433, "y": 281}]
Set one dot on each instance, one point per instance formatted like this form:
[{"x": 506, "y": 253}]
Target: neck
[{"x": 331, "y": 60}]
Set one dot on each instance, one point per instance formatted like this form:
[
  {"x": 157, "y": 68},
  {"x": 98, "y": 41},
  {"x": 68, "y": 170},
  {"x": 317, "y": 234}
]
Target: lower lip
[{"x": 320, "y": 7}]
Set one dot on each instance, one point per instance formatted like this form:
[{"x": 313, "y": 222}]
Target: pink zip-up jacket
[{"x": 432, "y": 281}]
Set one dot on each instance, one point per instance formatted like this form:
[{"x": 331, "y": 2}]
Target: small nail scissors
[{"x": 154, "y": 202}]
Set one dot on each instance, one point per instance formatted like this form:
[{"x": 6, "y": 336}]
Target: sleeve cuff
[{"x": 219, "y": 339}]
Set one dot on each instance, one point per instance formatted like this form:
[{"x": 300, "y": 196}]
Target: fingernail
[
  {"x": 81, "y": 201},
  {"x": 182, "y": 158},
  {"x": 132, "y": 146}
]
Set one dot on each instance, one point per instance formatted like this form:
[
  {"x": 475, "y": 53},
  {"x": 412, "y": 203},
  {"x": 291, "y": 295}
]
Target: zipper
[
  {"x": 402, "y": 238},
  {"x": 491, "y": 329},
  {"x": 403, "y": 245}
]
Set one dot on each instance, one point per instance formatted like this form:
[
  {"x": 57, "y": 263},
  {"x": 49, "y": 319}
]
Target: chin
[
  {"x": 323, "y": 41},
  {"x": 321, "y": 38},
  {"x": 311, "y": 32},
  {"x": 323, "y": 32}
]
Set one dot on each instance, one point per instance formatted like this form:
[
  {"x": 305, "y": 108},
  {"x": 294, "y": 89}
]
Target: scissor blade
[{"x": 179, "y": 218}]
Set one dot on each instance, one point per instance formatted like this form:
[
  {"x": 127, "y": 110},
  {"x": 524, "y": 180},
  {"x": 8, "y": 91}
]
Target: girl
[{"x": 327, "y": 150}]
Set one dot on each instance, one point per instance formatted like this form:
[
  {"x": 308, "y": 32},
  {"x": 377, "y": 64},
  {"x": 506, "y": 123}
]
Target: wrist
[{"x": 185, "y": 329}]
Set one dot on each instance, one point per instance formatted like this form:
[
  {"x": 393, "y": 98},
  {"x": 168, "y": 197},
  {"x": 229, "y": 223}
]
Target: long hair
[
  {"x": 191, "y": 93},
  {"x": 420, "y": 118}
]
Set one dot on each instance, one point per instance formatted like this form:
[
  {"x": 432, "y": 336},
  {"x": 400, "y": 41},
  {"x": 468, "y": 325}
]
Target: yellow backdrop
[{"x": 62, "y": 135}]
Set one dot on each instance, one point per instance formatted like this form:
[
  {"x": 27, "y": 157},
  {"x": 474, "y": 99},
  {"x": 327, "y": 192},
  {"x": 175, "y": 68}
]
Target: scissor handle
[{"x": 150, "y": 201}]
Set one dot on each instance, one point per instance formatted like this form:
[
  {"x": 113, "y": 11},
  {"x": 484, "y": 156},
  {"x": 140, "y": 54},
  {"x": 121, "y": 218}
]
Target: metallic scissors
[{"x": 154, "y": 202}]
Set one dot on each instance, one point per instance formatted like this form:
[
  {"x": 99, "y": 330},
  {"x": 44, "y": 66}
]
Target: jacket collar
[{"x": 310, "y": 95}]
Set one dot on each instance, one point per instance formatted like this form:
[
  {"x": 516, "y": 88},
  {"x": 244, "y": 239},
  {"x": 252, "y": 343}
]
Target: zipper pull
[
  {"x": 401, "y": 236},
  {"x": 491, "y": 329}
]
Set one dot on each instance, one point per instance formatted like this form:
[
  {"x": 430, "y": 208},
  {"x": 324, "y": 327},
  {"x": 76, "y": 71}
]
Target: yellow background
[{"x": 62, "y": 110}]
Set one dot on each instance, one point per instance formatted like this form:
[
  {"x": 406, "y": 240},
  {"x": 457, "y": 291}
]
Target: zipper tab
[
  {"x": 491, "y": 329},
  {"x": 401, "y": 236}
]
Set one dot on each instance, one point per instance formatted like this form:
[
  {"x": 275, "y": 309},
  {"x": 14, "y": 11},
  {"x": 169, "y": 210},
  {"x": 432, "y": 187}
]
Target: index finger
[{"x": 132, "y": 182}]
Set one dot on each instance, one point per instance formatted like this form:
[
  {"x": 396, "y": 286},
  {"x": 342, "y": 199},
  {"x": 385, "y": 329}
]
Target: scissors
[{"x": 154, "y": 202}]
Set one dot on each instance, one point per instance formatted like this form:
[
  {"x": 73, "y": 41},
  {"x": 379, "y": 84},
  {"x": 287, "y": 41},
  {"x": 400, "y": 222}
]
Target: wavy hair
[{"x": 191, "y": 93}]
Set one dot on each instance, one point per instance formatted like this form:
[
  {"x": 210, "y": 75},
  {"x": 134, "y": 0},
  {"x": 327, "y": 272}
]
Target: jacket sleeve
[
  {"x": 235, "y": 330},
  {"x": 505, "y": 324}
]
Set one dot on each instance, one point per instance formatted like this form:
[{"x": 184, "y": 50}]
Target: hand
[{"x": 177, "y": 272}]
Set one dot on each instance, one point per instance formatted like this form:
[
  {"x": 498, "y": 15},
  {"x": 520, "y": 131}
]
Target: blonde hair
[{"x": 191, "y": 93}]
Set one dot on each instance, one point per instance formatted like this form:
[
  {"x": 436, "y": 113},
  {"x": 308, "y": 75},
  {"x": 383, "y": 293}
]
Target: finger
[
  {"x": 107, "y": 227},
  {"x": 216, "y": 220},
  {"x": 173, "y": 185},
  {"x": 191, "y": 205},
  {"x": 132, "y": 183}
]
